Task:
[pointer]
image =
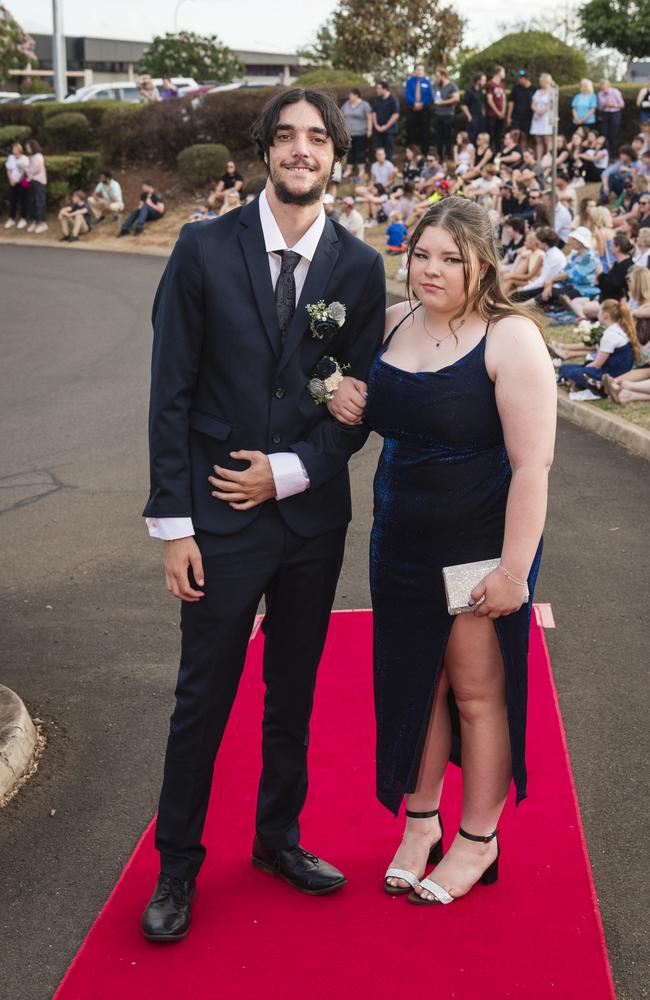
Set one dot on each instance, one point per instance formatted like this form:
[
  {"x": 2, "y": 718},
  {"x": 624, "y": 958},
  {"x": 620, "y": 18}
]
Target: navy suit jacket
[{"x": 223, "y": 381}]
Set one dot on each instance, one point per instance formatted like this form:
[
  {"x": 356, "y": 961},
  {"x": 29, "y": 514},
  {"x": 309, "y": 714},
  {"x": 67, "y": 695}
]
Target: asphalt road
[{"x": 89, "y": 635}]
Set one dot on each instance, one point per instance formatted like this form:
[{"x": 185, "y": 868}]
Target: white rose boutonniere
[{"x": 325, "y": 319}]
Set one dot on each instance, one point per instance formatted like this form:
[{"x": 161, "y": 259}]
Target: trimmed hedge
[
  {"x": 538, "y": 51},
  {"x": 13, "y": 133},
  {"x": 66, "y": 131},
  {"x": 201, "y": 165}
]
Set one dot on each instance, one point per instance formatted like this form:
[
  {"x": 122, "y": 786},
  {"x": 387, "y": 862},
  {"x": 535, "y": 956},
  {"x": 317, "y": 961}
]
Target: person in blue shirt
[
  {"x": 418, "y": 95},
  {"x": 396, "y": 234},
  {"x": 578, "y": 279},
  {"x": 584, "y": 105}
]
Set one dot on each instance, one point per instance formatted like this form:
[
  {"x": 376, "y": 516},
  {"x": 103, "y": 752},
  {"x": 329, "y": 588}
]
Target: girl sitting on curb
[{"x": 618, "y": 349}]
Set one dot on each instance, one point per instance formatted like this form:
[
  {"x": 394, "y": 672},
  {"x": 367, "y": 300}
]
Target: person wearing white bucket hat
[{"x": 578, "y": 279}]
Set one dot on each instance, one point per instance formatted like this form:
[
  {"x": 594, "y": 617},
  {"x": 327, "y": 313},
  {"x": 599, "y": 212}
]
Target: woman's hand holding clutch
[
  {"x": 349, "y": 402},
  {"x": 503, "y": 595}
]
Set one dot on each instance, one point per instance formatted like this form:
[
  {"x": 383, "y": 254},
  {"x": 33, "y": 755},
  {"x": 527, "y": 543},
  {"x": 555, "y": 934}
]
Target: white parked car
[
  {"x": 8, "y": 95},
  {"x": 124, "y": 90}
]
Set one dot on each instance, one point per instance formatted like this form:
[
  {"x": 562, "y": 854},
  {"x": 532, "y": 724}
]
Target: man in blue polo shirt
[{"x": 418, "y": 94}]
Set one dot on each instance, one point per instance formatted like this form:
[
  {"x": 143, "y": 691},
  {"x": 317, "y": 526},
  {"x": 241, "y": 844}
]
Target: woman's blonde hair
[
  {"x": 643, "y": 239},
  {"x": 620, "y": 312},
  {"x": 585, "y": 82},
  {"x": 601, "y": 216},
  {"x": 547, "y": 77},
  {"x": 469, "y": 226},
  {"x": 639, "y": 278}
]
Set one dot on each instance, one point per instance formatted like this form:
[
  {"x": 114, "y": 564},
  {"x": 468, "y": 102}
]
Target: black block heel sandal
[
  {"x": 435, "y": 857},
  {"x": 489, "y": 876}
]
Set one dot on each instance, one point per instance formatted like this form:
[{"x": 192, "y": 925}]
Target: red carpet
[{"x": 536, "y": 934}]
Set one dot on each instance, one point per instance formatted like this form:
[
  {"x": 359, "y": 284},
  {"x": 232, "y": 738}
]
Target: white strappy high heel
[
  {"x": 489, "y": 876},
  {"x": 435, "y": 857}
]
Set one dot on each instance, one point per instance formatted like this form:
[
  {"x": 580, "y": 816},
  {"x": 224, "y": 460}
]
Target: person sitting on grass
[
  {"x": 230, "y": 180},
  {"x": 526, "y": 266},
  {"x": 641, "y": 255},
  {"x": 107, "y": 197},
  {"x": 75, "y": 218},
  {"x": 613, "y": 178},
  {"x": 151, "y": 207},
  {"x": 231, "y": 199},
  {"x": 617, "y": 351},
  {"x": 396, "y": 234},
  {"x": 553, "y": 264},
  {"x": 375, "y": 199},
  {"x": 578, "y": 277},
  {"x": 201, "y": 213},
  {"x": 612, "y": 284}
]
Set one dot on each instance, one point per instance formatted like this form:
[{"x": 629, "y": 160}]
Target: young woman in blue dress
[{"x": 463, "y": 393}]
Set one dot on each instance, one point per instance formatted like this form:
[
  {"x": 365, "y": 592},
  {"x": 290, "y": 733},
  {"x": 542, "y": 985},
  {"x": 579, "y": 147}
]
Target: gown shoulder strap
[{"x": 397, "y": 326}]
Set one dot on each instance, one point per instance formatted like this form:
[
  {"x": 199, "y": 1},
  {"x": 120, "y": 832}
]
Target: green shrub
[
  {"x": 201, "y": 165},
  {"x": 537, "y": 51},
  {"x": 322, "y": 76},
  {"x": 88, "y": 174},
  {"x": 17, "y": 114},
  {"x": 66, "y": 131},
  {"x": 13, "y": 133},
  {"x": 151, "y": 134},
  {"x": 62, "y": 177}
]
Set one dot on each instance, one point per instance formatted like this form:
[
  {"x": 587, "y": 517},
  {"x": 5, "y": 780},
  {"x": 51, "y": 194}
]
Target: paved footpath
[{"x": 89, "y": 636}]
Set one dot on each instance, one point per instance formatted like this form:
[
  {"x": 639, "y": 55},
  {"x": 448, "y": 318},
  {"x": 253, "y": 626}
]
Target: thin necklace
[{"x": 440, "y": 340}]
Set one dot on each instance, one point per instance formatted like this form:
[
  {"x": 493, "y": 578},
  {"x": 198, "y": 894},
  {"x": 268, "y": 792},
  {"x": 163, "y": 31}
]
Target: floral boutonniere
[
  {"x": 327, "y": 377},
  {"x": 325, "y": 319}
]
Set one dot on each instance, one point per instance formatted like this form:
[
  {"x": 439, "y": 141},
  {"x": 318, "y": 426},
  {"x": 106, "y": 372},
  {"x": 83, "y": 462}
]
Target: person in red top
[{"x": 495, "y": 111}]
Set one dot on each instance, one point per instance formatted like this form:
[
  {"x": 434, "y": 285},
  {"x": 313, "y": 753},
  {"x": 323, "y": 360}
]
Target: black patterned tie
[{"x": 285, "y": 290}]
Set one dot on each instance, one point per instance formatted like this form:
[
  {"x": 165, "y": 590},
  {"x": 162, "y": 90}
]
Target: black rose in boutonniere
[
  {"x": 327, "y": 377},
  {"x": 325, "y": 319}
]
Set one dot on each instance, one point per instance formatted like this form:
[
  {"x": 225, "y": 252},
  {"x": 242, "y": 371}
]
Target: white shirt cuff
[
  {"x": 289, "y": 474},
  {"x": 169, "y": 528}
]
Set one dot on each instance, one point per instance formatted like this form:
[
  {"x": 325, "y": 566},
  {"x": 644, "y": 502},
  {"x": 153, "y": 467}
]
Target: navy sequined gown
[{"x": 440, "y": 499}]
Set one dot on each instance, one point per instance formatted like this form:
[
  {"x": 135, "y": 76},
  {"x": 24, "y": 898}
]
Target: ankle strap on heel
[
  {"x": 425, "y": 815},
  {"x": 478, "y": 840}
]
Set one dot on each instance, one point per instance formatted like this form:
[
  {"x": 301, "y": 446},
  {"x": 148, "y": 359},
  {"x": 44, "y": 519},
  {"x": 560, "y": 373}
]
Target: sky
[{"x": 277, "y": 26}]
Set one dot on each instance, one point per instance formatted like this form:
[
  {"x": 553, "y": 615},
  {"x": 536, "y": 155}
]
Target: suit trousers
[
  {"x": 298, "y": 577},
  {"x": 417, "y": 129}
]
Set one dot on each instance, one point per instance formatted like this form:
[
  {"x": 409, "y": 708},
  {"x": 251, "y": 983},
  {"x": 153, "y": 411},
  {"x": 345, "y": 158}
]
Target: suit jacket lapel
[
  {"x": 315, "y": 286},
  {"x": 257, "y": 263}
]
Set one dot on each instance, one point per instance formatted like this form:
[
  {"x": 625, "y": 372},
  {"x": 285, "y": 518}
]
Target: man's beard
[{"x": 310, "y": 197}]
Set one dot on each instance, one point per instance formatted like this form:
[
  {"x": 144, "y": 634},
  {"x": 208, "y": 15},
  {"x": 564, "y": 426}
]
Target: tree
[
  {"x": 16, "y": 46},
  {"x": 622, "y": 24},
  {"x": 537, "y": 51},
  {"x": 203, "y": 57},
  {"x": 386, "y": 38}
]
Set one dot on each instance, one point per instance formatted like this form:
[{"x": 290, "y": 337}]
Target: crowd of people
[{"x": 572, "y": 256}]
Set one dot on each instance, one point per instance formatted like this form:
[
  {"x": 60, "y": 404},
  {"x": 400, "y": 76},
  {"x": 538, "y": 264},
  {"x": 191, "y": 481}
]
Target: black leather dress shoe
[
  {"x": 168, "y": 913},
  {"x": 299, "y": 868}
]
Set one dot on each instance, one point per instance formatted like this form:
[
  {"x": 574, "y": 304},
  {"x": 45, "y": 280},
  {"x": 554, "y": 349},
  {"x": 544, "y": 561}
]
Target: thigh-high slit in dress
[{"x": 440, "y": 496}]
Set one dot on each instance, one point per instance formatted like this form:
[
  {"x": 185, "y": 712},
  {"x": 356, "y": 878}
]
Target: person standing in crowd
[
  {"x": 446, "y": 98},
  {"x": 385, "y": 115},
  {"x": 473, "y": 107},
  {"x": 37, "y": 177},
  {"x": 520, "y": 111},
  {"x": 350, "y": 219},
  {"x": 17, "y": 166},
  {"x": 610, "y": 112},
  {"x": 151, "y": 207},
  {"x": 75, "y": 218},
  {"x": 358, "y": 118},
  {"x": 148, "y": 90},
  {"x": 584, "y": 105},
  {"x": 543, "y": 107},
  {"x": 107, "y": 197},
  {"x": 496, "y": 107},
  {"x": 643, "y": 104},
  {"x": 169, "y": 89},
  {"x": 418, "y": 94}
]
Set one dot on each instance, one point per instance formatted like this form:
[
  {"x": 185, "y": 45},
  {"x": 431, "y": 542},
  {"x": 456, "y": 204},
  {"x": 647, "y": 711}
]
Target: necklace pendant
[{"x": 438, "y": 342}]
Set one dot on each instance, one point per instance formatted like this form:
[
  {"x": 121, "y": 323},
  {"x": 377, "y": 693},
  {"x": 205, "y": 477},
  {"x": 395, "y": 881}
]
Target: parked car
[
  {"x": 123, "y": 90},
  {"x": 36, "y": 98},
  {"x": 8, "y": 95}
]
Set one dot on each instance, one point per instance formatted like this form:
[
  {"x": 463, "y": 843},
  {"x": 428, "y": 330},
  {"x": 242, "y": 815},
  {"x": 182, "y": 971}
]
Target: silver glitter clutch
[{"x": 460, "y": 581}]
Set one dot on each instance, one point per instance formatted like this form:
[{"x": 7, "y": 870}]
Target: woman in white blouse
[{"x": 542, "y": 125}]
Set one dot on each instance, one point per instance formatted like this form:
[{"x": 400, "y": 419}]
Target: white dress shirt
[{"x": 289, "y": 474}]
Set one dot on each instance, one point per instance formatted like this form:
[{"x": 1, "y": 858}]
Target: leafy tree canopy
[
  {"x": 536, "y": 51},
  {"x": 621, "y": 24},
  {"x": 16, "y": 46},
  {"x": 387, "y": 37},
  {"x": 203, "y": 57}
]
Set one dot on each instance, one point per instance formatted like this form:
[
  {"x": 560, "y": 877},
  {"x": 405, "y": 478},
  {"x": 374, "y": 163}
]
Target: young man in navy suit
[{"x": 249, "y": 482}]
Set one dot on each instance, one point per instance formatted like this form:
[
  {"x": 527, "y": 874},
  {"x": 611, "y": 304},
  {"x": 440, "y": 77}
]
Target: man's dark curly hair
[{"x": 263, "y": 131}]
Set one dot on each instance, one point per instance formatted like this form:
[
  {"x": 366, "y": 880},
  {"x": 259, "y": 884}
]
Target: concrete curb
[
  {"x": 115, "y": 247},
  {"x": 607, "y": 425},
  {"x": 18, "y": 740}
]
